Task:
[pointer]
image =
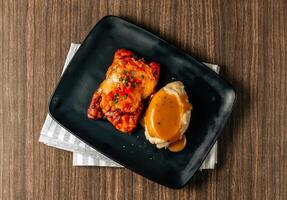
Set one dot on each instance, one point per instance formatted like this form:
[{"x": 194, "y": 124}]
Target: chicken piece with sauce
[{"x": 119, "y": 98}]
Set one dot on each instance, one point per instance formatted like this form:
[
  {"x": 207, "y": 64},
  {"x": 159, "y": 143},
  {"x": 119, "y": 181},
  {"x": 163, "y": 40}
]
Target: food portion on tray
[
  {"x": 119, "y": 99},
  {"x": 167, "y": 117}
]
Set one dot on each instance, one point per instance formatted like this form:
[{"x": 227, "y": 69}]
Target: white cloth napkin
[{"x": 52, "y": 134}]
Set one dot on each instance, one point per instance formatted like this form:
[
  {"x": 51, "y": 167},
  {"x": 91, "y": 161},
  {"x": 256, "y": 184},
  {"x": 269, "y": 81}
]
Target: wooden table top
[{"x": 247, "y": 38}]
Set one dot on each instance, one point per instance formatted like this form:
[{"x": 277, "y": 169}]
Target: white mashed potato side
[{"x": 175, "y": 88}]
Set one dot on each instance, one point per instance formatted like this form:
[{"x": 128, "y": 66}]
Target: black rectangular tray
[{"x": 211, "y": 96}]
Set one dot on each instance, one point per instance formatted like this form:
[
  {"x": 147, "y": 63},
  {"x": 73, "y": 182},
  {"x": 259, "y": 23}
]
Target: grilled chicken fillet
[{"x": 119, "y": 98}]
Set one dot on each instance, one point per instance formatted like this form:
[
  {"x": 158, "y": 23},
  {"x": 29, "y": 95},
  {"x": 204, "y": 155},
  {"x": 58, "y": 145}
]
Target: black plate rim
[{"x": 230, "y": 90}]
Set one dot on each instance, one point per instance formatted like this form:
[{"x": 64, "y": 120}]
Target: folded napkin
[{"x": 52, "y": 134}]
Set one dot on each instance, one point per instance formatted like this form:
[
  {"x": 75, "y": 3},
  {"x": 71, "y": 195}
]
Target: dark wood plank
[{"x": 247, "y": 38}]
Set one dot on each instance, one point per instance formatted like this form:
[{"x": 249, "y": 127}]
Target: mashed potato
[{"x": 168, "y": 115}]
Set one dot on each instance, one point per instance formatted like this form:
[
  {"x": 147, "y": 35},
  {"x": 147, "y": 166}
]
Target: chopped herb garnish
[
  {"x": 116, "y": 98},
  {"x": 142, "y": 76},
  {"x": 125, "y": 96},
  {"x": 120, "y": 79},
  {"x": 124, "y": 71},
  {"x": 126, "y": 80},
  {"x": 134, "y": 84}
]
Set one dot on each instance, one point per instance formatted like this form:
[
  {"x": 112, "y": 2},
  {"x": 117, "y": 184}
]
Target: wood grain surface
[{"x": 247, "y": 38}]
